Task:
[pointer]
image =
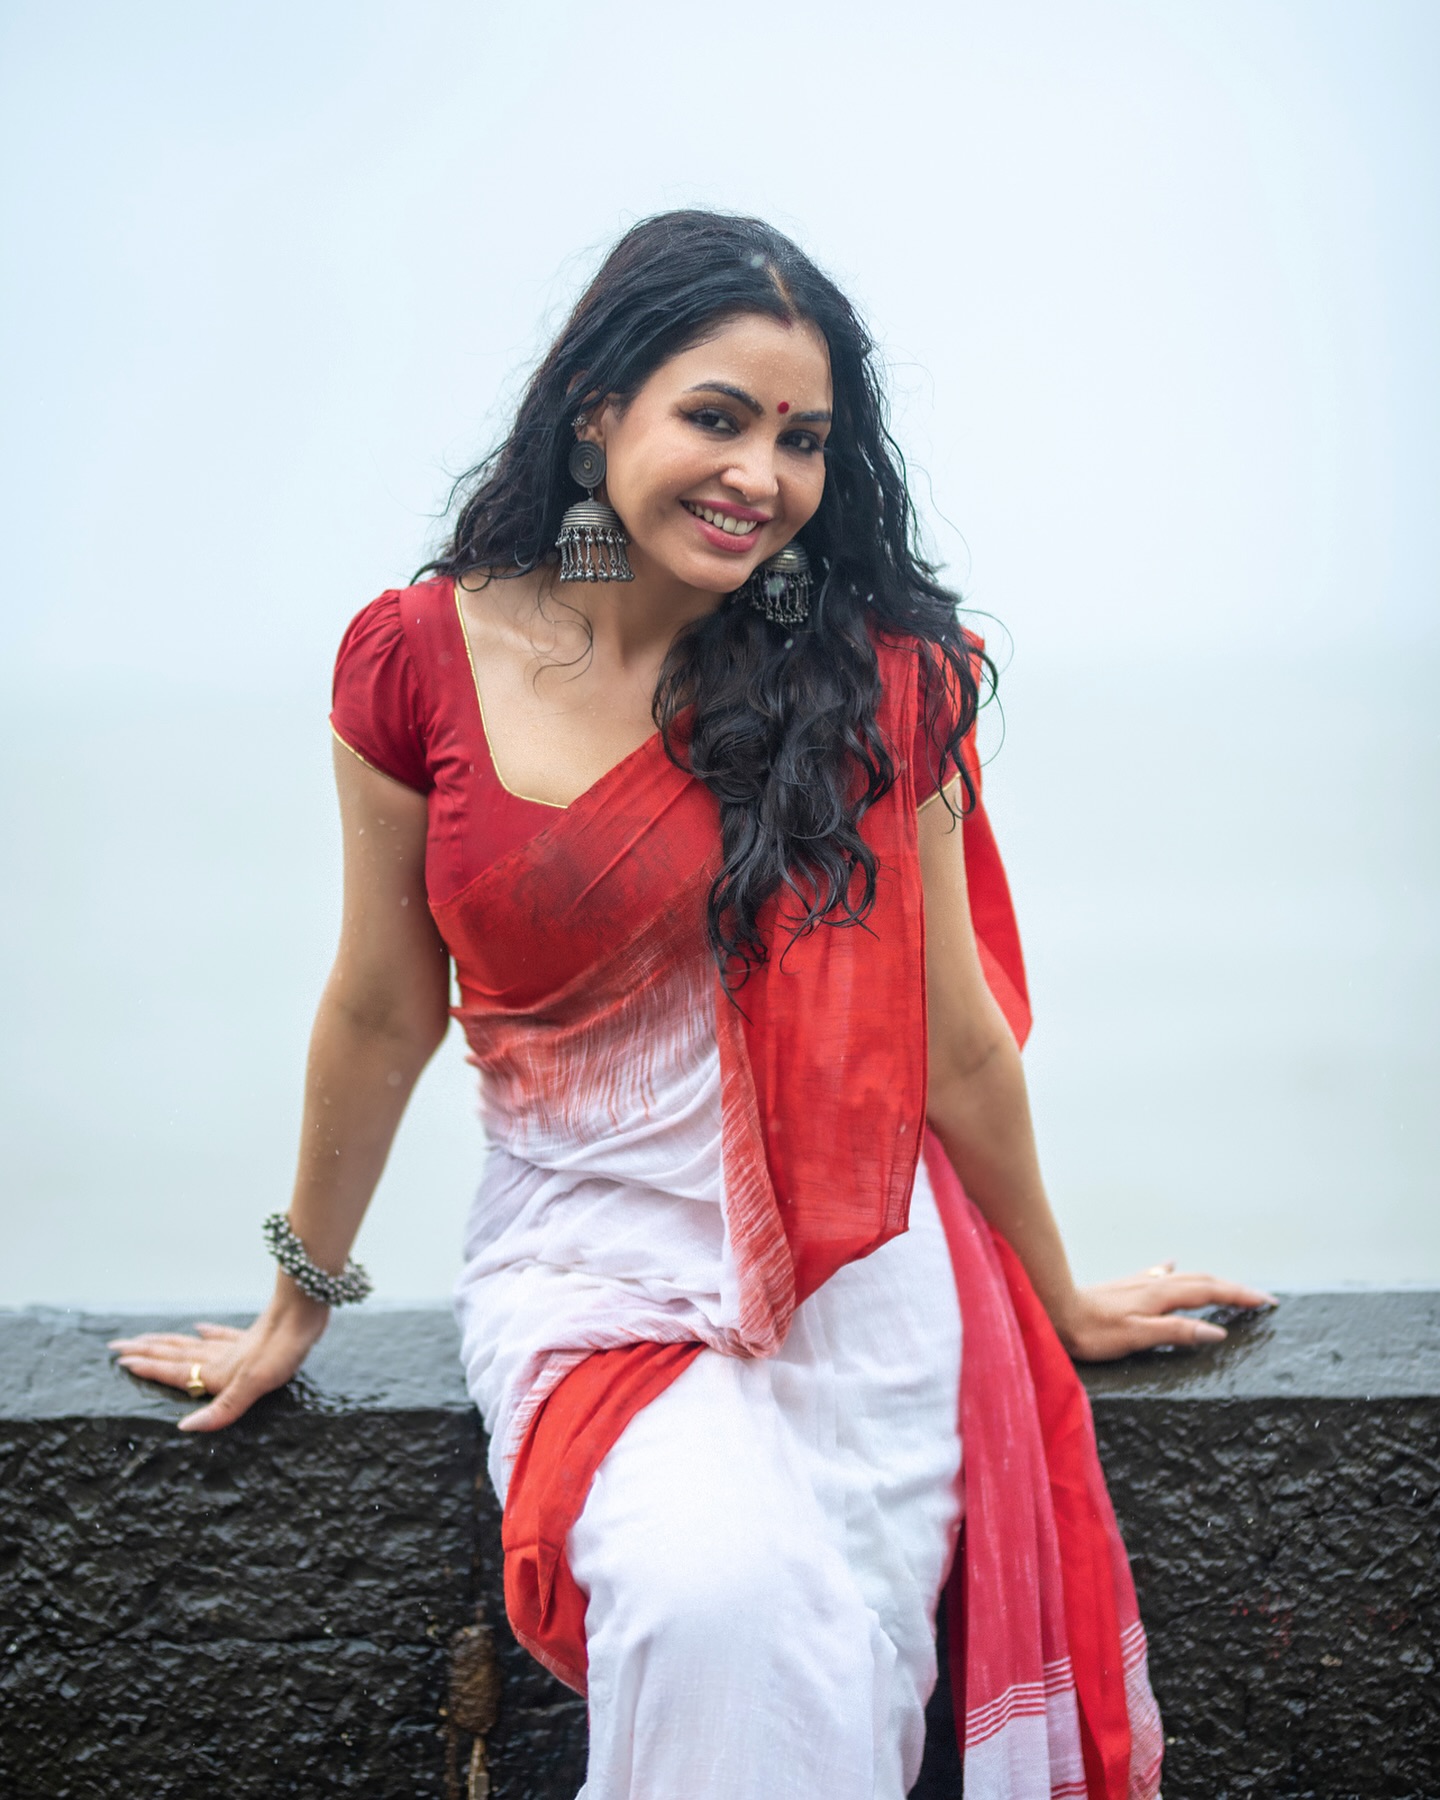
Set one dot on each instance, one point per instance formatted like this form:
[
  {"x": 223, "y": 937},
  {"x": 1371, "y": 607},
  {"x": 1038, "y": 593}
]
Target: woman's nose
[{"x": 754, "y": 477}]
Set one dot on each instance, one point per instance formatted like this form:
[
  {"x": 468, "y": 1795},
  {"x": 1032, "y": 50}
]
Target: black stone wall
[
  {"x": 1281, "y": 1503},
  {"x": 271, "y": 1611}
]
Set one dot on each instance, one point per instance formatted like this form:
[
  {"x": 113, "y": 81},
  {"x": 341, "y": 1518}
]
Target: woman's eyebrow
[
  {"x": 749, "y": 400},
  {"x": 724, "y": 387}
]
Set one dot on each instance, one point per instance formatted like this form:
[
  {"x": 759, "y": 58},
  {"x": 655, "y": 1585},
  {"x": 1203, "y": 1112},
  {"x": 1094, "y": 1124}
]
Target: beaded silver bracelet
[{"x": 332, "y": 1290}]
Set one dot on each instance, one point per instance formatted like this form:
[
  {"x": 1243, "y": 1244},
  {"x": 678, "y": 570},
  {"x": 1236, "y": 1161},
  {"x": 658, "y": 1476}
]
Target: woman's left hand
[{"x": 1140, "y": 1311}]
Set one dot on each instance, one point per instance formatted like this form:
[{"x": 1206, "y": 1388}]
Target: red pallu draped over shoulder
[{"x": 823, "y": 1081}]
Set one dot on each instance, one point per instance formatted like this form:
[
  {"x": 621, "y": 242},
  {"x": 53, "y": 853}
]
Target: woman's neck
[{"x": 631, "y": 622}]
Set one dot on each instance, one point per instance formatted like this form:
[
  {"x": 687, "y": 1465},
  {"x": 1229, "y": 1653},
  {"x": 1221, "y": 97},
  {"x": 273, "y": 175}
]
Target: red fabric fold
[{"x": 569, "y": 1437}]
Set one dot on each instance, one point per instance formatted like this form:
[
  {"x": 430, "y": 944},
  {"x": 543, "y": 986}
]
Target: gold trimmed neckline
[{"x": 515, "y": 794}]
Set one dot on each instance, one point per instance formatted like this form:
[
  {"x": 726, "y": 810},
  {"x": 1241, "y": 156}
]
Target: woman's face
[{"x": 718, "y": 461}]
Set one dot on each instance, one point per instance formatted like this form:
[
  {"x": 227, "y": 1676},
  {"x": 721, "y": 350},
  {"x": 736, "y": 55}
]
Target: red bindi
[{"x": 784, "y": 406}]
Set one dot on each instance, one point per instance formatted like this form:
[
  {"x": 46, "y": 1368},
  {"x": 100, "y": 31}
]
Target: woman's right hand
[{"x": 236, "y": 1366}]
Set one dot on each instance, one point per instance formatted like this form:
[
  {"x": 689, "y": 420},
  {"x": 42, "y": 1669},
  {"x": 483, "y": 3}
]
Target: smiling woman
[{"x": 698, "y": 826}]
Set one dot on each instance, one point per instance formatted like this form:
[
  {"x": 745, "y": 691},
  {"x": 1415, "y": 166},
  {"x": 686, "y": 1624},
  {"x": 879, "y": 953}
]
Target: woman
[{"x": 672, "y": 774}]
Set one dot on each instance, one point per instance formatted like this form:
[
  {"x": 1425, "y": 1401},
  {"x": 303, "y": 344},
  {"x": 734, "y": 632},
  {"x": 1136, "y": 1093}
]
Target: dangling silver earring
[
  {"x": 592, "y": 540},
  {"x": 780, "y": 587}
]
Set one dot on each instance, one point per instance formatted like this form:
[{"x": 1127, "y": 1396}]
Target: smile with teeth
[{"x": 723, "y": 521}]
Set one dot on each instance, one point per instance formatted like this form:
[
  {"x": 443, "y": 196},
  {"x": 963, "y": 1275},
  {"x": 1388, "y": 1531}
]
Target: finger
[
  {"x": 1150, "y": 1332},
  {"x": 207, "y": 1330},
  {"x": 155, "y": 1341},
  {"x": 236, "y": 1397},
  {"x": 1156, "y": 1270},
  {"x": 1208, "y": 1290},
  {"x": 156, "y": 1368}
]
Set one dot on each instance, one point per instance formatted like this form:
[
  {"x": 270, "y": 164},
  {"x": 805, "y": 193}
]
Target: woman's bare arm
[
  {"x": 979, "y": 1109},
  {"x": 380, "y": 1019}
]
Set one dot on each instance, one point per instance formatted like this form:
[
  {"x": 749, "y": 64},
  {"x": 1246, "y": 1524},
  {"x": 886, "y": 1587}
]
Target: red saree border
[
  {"x": 573, "y": 1430},
  {"x": 1120, "y": 1738}
]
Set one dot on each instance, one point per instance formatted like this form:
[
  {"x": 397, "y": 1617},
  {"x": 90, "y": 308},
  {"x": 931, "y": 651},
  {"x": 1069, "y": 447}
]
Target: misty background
[{"x": 1156, "y": 283}]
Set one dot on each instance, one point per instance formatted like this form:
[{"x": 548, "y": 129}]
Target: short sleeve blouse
[{"x": 377, "y": 710}]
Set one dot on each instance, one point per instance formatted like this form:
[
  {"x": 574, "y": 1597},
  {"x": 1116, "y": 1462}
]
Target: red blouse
[{"x": 406, "y": 701}]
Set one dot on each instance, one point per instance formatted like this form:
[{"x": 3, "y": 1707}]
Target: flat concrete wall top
[
  {"x": 1348, "y": 1345},
  {"x": 1340, "y": 1346},
  {"x": 54, "y": 1365}
]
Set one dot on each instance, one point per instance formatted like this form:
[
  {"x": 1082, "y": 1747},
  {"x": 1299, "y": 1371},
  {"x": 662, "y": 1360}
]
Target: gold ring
[
  {"x": 195, "y": 1387},
  {"x": 1154, "y": 1273}
]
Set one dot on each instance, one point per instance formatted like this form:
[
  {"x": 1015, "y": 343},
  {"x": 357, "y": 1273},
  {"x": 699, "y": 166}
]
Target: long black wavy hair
[{"x": 779, "y": 722}]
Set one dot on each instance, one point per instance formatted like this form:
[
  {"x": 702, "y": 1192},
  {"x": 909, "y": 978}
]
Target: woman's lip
[
  {"x": 732, "y": 541},
  {"x": 732, "y": 511}
]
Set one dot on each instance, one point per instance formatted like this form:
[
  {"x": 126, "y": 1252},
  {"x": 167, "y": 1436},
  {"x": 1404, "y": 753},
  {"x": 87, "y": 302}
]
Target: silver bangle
[{"x": 331, "y": 1290}]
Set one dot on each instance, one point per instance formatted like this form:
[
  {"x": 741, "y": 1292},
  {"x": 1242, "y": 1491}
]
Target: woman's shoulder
[
  {"x": 931, "y": 691},
  {"x": 375, "y": 631},
  {"x": 394, "y": 619},
  {"x": 410, "y": 634},
  {"x": 381, "y": 702},
  {"x": 908, "y": 663}
]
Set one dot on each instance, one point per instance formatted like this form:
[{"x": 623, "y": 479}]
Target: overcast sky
[{"x": 1156, "y": 283}]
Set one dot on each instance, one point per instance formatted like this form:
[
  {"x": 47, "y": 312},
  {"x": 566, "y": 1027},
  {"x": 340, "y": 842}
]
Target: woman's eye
[
  {"x": 710, "y": 418},
  {"x": 805, "y": 441}
]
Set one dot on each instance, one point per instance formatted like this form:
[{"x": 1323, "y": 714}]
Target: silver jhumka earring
[
  {"x": 780, "y": 588},
  {"x": 592, "y": 540}
]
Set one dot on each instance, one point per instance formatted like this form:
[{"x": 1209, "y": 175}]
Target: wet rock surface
[{"x": 271, "y": 1611}]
